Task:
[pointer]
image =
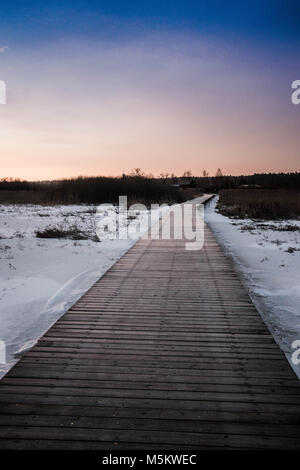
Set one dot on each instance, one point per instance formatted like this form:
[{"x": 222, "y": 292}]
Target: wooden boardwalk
[{"x": 165, "y": 351}]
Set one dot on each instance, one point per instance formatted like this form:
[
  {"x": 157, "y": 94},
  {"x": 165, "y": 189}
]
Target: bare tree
[
  {"x": 219, "y": 172},
  {"x": 137, "y": 172},
  {"x": 187, "y": 173},
  {"x": 205, "y": 173}
]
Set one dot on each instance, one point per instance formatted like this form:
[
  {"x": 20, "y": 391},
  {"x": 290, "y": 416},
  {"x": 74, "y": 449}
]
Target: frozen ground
[
  {"x": 268, "y": 256},
  {"x": 40, "y": 278}
]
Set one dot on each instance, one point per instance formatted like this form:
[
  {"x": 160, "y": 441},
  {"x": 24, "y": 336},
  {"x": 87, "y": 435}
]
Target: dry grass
[
  {"x": 21, "y": 197},
  {"x": 262, "y": 204},
  {"x": 71, "y": 233}
]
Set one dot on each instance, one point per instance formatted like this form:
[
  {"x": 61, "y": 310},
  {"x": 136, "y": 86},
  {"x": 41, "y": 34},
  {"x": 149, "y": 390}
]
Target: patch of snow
[{"x": 268, "y": 256}]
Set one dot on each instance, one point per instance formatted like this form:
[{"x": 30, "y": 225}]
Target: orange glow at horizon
[{"x": 104, "y": 112}]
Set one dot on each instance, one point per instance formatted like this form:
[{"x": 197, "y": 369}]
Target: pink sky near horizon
[{"x": 89, "y": 109}]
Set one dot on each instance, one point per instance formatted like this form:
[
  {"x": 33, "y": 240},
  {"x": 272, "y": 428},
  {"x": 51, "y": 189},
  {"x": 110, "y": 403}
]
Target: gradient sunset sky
[{"x": 101, "y": 87}]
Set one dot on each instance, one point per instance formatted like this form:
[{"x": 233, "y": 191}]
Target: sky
[{"x": 101, "y": 87}]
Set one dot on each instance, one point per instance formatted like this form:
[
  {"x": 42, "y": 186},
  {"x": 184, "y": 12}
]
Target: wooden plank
[
  {"x": 255, "y": 416},
  {"x": 155, "y": 425},
  {"x": 169, "y": 438}
]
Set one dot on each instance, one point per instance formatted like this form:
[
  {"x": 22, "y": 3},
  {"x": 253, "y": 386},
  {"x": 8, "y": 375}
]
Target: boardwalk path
[{"x": 166, "y": 350}]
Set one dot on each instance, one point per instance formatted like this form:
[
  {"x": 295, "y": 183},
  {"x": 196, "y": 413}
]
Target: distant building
[{"x": 186, "y": 182}]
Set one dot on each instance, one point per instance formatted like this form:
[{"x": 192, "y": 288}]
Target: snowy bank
[{"x": 268, "y": 256}]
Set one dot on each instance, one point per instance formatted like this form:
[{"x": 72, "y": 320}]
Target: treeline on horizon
[
  {"x": 264, "y": 180},
  {"x": 98, "y": 189},
  {"x": 138, "y": 187}
]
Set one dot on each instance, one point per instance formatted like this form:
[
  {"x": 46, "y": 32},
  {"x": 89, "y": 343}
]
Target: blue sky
[
  {"x": 275, "y": 19},
  {"x": 104, "y": 86}
]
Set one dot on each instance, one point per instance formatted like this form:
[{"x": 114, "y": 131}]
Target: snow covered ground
[
  {"x": 268, "y": 256},
  {"x": 40, "y": 278}
]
